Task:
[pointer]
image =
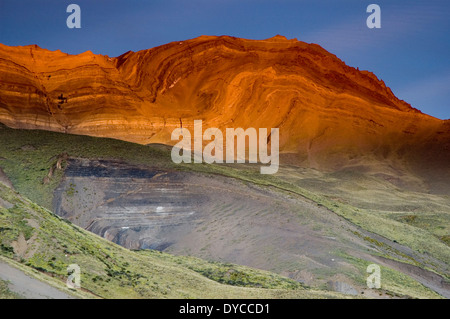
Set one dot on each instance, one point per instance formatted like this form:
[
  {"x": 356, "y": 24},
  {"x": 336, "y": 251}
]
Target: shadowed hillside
[{"x": 330, "y": 115}]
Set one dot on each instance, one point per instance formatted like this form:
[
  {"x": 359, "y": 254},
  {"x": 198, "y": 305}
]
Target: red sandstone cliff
[{"x": 329, "y": 114}]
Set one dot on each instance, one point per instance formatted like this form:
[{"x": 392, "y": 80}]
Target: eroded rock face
[
  {"x": 217, "y": 218},
  {"x": 329, "y": 114}
]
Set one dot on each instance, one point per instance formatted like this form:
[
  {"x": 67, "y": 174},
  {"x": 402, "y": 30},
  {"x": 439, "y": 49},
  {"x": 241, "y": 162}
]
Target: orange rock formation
[{"x": 329, "y": 114}]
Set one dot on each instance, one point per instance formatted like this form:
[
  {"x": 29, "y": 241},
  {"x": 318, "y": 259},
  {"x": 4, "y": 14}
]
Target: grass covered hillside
[
  {"x": 32, "y": 238},
  {"x": 397, "y": 227}
]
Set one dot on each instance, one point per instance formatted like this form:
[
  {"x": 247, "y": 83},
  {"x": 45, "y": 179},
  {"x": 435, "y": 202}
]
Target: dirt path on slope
[{"x": 28, "y": 287}]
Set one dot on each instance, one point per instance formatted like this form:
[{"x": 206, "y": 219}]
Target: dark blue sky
[{"x": 411, "y": 51}]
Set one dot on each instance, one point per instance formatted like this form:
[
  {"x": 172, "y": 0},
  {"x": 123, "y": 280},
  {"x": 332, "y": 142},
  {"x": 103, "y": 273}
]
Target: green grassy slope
[
  {"x": 40, "y": 240},
  {"x": 28, "y": 156}
]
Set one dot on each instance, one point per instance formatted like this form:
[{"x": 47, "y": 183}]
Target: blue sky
[{"x": 411, "y": 51}]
